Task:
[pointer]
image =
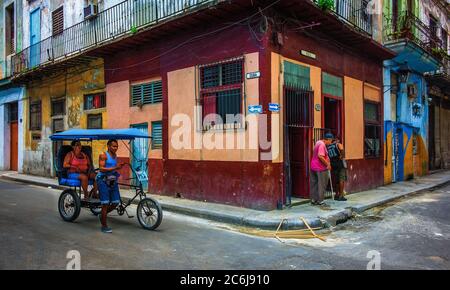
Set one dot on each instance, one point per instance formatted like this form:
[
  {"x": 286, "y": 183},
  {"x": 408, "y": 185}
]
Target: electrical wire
[{"x": 194, "y": 38}]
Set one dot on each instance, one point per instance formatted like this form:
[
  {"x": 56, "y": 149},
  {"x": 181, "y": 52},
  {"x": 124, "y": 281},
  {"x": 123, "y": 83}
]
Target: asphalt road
[{"x": 412, "y": 233}]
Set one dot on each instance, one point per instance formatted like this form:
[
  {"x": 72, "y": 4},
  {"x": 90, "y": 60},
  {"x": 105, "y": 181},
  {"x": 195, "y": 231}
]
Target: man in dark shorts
[
  {"x": 338, "y": 168},
  {"x": 107, "y": 182}
]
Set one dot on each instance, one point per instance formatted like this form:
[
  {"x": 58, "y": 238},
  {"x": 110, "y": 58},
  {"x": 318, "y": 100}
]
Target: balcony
[
  {"x": 409, "y": 36},
  {"x": 122, "y": 20},
  {"x": 354, "y": 13},
  {"x": 441, "y": 77}
]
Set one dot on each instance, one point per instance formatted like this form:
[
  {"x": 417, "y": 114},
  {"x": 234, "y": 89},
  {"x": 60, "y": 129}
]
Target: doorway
[
  {"x": 14, "y": 136},
  {"x": 35, "y": 37},
  {"x": 332, "y": 116},
  {"x": 298, "y": 139}
]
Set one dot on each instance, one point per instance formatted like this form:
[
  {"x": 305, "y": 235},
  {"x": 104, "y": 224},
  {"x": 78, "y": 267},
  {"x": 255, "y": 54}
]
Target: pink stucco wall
[{"x": 121, "y": 115}]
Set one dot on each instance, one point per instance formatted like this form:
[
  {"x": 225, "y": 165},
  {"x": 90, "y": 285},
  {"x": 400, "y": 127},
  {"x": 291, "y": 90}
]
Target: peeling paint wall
[{"x": 73, "y": 85}]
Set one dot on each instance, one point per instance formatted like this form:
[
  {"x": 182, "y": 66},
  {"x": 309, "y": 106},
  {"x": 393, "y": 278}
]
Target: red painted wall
[{"x": 364, "y": 174}]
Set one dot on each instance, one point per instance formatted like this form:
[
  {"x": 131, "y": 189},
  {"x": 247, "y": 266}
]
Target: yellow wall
[
  {"x": 372, "y": 93},
  {"x": 183, "y": 87},
  {"x": 72, "y": 85},
  {"x": 408, "y": 161},
  {"x": 354, "y": 120},
  {"x": 388, "y": 155}
]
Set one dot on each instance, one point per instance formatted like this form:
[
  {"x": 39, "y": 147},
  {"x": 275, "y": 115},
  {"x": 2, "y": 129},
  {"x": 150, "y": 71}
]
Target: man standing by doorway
[
  {"x": 338, "y": 168},
  {"x": 320, "y": 165}
]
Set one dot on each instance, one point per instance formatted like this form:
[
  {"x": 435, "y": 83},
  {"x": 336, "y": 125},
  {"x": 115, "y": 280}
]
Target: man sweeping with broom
[{"x": 320, "y": 168}]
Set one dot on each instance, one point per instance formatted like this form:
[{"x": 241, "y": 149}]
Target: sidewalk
[{"x": 315, "y": 216}]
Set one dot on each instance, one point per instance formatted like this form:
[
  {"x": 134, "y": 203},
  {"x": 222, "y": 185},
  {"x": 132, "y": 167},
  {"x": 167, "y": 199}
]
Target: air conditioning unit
[{"x": 90, "y": 11}]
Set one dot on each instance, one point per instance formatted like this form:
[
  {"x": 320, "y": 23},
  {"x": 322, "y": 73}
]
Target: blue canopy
[{"x": 99, "y": 134}]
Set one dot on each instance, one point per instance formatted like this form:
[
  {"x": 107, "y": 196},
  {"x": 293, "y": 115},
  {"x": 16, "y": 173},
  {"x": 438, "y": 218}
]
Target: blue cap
[{"x": 329, "y": 136}]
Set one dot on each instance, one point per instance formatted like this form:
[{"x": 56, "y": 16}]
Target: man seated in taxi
[{"x": 78, "y": 167}]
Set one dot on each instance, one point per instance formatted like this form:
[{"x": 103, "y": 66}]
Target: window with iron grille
[
  {"x": 58, "y": 107},
  {"x": 58, "y": 20},
  {"x": 157, "y": 135},
  {"x": 372, "y": 129},
  {"x": 35, "y": 116},
  {"x": 95, "y": 101},
  {"x": 148, "y": 93},
  {"x": 58, "y": 125},
  {"x": 13, "y": 112},
  {"x": 221, "y": 91},
  {"x": 94, "y": 121}
]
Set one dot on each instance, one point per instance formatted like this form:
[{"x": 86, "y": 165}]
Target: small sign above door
[{"x": 308, "y": 54}]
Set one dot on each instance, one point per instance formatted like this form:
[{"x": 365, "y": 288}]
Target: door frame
[
  {"x": 31, "y": 25},
  {"x": 342, "y": 111}
]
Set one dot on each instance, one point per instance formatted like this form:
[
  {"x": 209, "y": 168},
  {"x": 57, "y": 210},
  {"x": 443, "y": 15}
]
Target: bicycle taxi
[{"x": 149, "y": 212}]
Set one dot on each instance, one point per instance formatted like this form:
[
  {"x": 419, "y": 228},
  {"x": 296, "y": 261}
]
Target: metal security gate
[{"x": 298, "y": 124}]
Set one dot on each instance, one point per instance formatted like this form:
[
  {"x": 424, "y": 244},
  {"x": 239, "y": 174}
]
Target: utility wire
[{"x": 195, "y": 38}]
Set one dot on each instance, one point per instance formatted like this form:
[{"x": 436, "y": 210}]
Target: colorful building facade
[{"x": 408, "y": 31}]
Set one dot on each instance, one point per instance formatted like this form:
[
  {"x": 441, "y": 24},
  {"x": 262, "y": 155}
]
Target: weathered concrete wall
[
  {"x": 73, "y": 86},
  {"x": 427, "y": 8},
  {"x": 442, "y": 135}
]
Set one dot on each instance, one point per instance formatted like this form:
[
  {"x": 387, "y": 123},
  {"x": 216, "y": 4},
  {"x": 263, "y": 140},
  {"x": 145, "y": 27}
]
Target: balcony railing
[
  {"x": 122, "y": 19},
  {"x": 408, "y": 27},
  {"x": 354, "y": 13}
]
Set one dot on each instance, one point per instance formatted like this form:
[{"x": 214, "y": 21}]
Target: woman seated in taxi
[{"x": 78, "y": 167}]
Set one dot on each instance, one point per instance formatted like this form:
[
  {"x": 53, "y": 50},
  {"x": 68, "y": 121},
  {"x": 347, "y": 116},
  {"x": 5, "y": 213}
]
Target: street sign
[
  {"x": 255, "y": 109},
  {"x": 273, "y": 107},
  {"x": 308, "y": 54},
  {"x": 253, "y": 75}
]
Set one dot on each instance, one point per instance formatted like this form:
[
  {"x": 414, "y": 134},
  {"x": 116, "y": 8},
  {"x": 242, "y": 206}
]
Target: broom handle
[{"x": 331, "y": 184}]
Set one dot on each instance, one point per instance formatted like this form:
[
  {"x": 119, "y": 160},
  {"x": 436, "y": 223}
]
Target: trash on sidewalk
[{"x": 285, "y": 234}]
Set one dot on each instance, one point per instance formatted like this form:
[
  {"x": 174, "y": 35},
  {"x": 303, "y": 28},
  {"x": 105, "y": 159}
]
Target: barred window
[
  {"x": 35, "y": 116},
  {"x": 95, "y": 101},
  {"x": 157, "y": 135},
  {"x": 94, "y": 121},
  {"x": 58, "y": 107},
  {"x": 372, "y": 129},
  {"x": 221, "y": 90},
  {"x": 148, "y": 93}
]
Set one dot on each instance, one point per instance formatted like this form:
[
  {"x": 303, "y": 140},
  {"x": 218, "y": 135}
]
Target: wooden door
[
  {"x": 14, "y": 146},
  {"x": 299, "y": 140}
]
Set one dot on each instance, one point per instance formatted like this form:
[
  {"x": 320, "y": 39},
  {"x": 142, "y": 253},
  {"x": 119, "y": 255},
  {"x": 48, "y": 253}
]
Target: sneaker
[{"x": 106, "y": 230}]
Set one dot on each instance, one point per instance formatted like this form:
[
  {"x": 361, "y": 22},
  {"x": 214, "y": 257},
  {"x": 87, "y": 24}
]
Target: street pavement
[{"x": 410, "y": 233}]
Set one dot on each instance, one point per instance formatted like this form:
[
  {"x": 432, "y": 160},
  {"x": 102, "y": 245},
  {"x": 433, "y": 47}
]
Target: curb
[{"x": 253, "y": 221}]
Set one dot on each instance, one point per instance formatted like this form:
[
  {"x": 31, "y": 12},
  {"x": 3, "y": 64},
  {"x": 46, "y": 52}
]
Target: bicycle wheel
[
  {"x": 69, "y": 205},
  {"x": 149, "y": 213}
]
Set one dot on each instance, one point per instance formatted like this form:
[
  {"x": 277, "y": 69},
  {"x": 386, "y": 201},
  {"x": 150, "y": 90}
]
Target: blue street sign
[
  {"x": 255, "y": 109},
  {"x": 274, "y": 107}
]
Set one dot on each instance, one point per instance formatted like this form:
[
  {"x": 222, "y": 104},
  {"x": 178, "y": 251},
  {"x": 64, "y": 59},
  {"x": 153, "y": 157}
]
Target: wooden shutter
[
  {"x": 297, "y": 75},
  {"x": 157, "y": 135},
  {"x": 148, "y": 93},
  {"x": 58, "y": 20},
  {"x": 332, "y": 85}
]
